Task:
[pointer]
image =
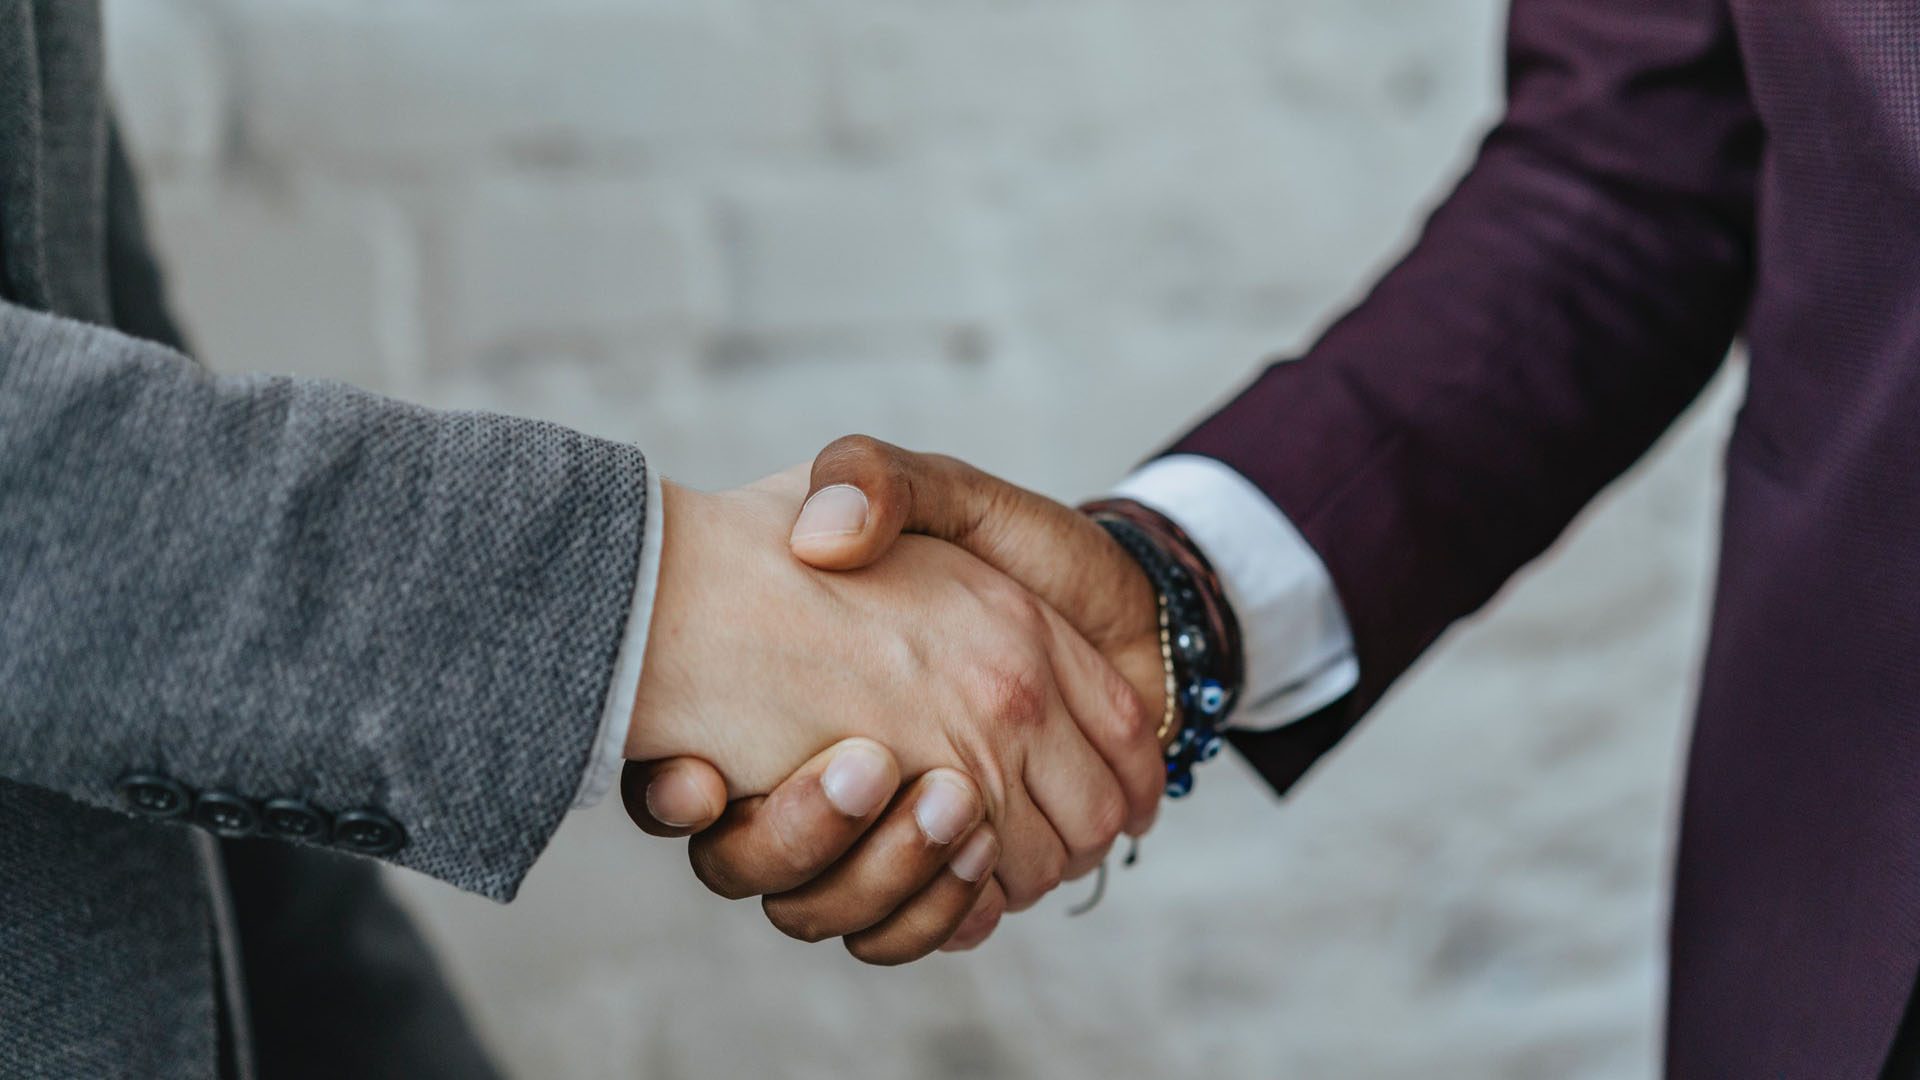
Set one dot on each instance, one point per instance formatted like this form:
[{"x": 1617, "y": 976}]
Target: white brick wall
[
  {"x": 1039, "y": 233},
  {"x": 431, "y": 87},
  {"x": 525, "y": 267}
]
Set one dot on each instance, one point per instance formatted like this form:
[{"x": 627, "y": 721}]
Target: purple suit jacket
[{"x": 1669, "y": 173}]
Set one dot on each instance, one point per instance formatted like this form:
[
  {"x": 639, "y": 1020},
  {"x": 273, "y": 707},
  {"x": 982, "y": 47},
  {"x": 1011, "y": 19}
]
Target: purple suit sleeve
[{"x": 1560, "y": 309}]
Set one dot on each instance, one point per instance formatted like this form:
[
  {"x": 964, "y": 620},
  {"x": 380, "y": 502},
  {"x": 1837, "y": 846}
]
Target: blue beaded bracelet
[{"x": 1199, "y": 695}]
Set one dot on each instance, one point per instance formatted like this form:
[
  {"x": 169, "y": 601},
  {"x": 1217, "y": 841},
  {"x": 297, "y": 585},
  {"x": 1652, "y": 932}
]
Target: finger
[
  {"x": 1112, "y": 719},
  {"x": 782, "y": 841},
  {"x": 909, "y": 847},
  {"x": 930, "y": 917},
  {"x": 1070, "y": 783},
  {"x": 859, "y": 498},
  {"x": 864, "y": 493},
  {"x": 1033, "y": 859},
  {"x": 673, "y": 797},
  {"x": 981, "y": 921}
]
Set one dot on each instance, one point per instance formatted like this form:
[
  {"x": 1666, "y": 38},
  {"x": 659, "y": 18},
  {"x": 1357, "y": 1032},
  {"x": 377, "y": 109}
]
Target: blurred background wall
[{"x": 1042, "y": 234}]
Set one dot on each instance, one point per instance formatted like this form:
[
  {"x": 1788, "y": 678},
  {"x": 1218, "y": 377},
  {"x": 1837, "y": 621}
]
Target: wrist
[
  {"x": 1205, "y": 629},
  {"x": 726, "y": 608},
  {"x": 1197, "y": 636},
  {"x": 652, "y": 731},
  {"x": 1132, "y": 646}
]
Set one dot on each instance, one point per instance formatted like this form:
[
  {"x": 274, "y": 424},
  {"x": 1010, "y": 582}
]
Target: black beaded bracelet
[{"x": 1203, "y": 669}]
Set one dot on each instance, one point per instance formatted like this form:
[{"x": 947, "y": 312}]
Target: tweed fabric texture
[
  {"x": 266, "y": 585},
  {"x": 106, "y": 955},
  {"x": 273, "y": 586}
]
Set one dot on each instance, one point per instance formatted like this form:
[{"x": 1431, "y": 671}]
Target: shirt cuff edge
[{"x": 610, "y": 742}]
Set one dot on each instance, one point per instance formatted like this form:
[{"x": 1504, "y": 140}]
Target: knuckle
[
  {"x": 1052, "y": 872},
  {"x": 796, "y": 920},
  {"x": 1130, "y": 711},
  {"x": 981, "y": 766},
  {"x": 1109, "y": 818},
  {"x": 714, "y": 871},
  {"x": 1052, "y": 879},
  {"x": 855, "y": 453},
  {"x": 1015, "y": 695},
  {"x": 980, "y": 922},
  {"x": 1026, "y": 612},
  {"x": 980, "y": 931},
  {"x": 900, "y": 655},
  {"x": 793, "y": 840},
  {"x": 1011, "y": 606},
  {"x": 1030, "y": 888}
]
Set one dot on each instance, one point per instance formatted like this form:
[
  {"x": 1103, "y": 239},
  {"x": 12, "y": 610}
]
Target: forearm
[
  {"x": 279, "y": 587},
  {"x": 1561, "y": 308}
]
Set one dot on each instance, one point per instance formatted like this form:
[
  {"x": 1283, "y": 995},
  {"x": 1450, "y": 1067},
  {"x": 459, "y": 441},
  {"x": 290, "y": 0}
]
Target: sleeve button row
[
  {"x": 295, "y": 819},
  {"x": 225, "y": 814},
  {"x": 365, "y": 831},
  {"x": 369, "y": 832},
  {"x": 154, "y": 796}
]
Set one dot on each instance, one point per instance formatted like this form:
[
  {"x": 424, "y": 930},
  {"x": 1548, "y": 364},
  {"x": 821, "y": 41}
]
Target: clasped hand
[{"x": 1005, "y": 662}]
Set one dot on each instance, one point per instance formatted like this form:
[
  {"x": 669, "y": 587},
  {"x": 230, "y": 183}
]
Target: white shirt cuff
[
  {"x": 1299, "y": 652},
  {"x": 609, "y": 746}
]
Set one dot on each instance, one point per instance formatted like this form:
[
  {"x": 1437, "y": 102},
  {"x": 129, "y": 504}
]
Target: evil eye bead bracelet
[{"x": 1199, "y": 636}]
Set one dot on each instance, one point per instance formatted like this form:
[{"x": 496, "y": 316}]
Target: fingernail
[
  {"x": 673, "y": 799},
  {"x": 856, "y": 780},
  {"x": 944, "y": 810},
  {"x": 837, "y": 510},
  {"x": 976, "y": 856}
]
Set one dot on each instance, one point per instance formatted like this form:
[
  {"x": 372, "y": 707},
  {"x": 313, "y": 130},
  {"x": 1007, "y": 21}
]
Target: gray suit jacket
[{"x": 256, "y": 606}]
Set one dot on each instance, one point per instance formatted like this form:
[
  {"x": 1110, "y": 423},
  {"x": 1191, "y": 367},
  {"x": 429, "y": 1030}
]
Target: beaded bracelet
[{"x": 1199, "y": 637}]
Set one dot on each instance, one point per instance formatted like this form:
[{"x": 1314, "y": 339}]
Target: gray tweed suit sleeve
[{"x": 275, "y": 586}]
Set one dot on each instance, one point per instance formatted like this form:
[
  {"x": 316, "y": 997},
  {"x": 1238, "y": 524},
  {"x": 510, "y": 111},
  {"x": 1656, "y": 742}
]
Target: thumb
[
  {"x": 863, "y": 493},
  {"x": 673, "y": 797}
]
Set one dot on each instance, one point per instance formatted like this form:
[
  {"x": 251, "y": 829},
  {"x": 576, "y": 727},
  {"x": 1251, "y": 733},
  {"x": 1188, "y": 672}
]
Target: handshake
[{"x": 805, "y": 658}]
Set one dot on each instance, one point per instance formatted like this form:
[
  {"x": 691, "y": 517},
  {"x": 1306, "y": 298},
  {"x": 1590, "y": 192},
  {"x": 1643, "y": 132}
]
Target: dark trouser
[{"x": 338, "y": 981}]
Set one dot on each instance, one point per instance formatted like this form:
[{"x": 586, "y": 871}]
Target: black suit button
[
  {"x": 225, "y": 814},
  {"x": 152, "y": 795},
  {"x": 368, "y": 832},
  {"x": 294, "y": 819}
]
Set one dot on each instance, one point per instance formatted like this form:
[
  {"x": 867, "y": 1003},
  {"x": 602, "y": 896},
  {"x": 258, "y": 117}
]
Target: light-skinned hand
[
  {"x": 946, "y": 672},
  {"x": 862, "y": 495}
]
